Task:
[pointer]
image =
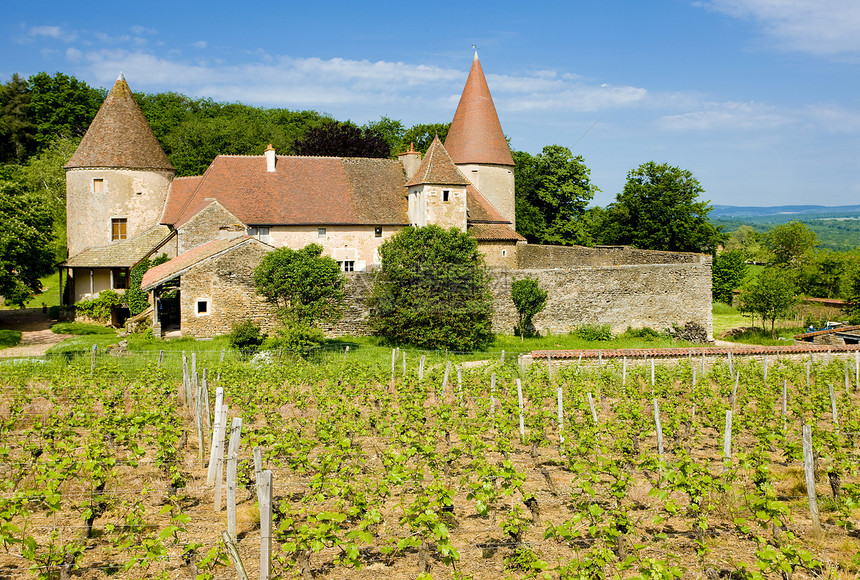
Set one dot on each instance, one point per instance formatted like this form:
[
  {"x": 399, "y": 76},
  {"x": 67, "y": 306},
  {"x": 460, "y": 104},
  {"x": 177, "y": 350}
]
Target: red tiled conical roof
[
  {"x": 120, "y": 136},
  {"x": 476, "y": 135},
  {"x": 437, "y": 168}
]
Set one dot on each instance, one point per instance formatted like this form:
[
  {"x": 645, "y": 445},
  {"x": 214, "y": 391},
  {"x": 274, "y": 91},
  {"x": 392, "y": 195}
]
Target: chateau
[{"x": 124, "y": 205}]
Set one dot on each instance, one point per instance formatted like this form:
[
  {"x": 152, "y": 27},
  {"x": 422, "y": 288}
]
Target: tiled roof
[
  {"x": 741, "y": 349},
  {"x": 181, "y": 190},
  {"x": 123, "y": 254},
  {"x": 480, "y": 210},
  {"x": 437, "y": 168},
  {"x": 302, "y": 190},
  {"x": 175, "y": 267},
  {"x": 120, "y": 136},
  {"x": 476, "y": 135},
  {"x": 498, "y": 232}
]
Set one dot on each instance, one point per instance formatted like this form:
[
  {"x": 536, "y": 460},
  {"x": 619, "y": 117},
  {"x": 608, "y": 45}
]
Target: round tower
[{"x": 118, "y": 178}]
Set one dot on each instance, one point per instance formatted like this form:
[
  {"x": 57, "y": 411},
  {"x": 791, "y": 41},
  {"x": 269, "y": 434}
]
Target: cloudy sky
[{"x": 760, "y": 99}]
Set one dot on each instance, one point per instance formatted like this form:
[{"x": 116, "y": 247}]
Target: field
[{"x": 379, "y": 476}]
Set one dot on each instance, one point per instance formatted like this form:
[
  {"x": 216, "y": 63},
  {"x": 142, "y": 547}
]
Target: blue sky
[{"x": 759, "y": 99}]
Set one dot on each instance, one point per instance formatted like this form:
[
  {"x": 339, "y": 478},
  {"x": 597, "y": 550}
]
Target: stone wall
[
  {"x": 541, "y": 256},
  {"x": 213, "y": 222},
  {"x": 653, "y": 295}
]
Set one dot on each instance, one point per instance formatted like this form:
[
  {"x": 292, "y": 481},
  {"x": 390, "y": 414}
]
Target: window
[
  {"x": 445, "y": 194},
  {"x": 261, "y": 233},
  {"x": 377, "y": 232},
  {"x": 118, "y": 229},
  {"x": 347, "y": 266},
  {"x": 120, "y": 278},
  {"x": 98, "y": 185},
  {"x": 321, "y": 233},
  {"x": 202, "y": 307},
  {"x": 504, "y": 253}
]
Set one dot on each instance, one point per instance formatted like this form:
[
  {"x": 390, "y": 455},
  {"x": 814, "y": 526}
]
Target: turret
[
  {"x": 477, "y": 144},
  {"x": 118, "y": 178},
  {"x": 437, "y": 191}
]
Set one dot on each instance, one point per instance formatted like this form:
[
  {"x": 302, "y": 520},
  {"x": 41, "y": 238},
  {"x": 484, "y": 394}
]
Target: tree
[
  {"x": 25, "y": 243},
  {"x": 431, "y": 290},
  {"x": 421, "y": 136},
  {"x": 16, "y": 129},
  {"x": 659, "y": 209},
  {"x": 770, "y": 296},
  {"x": 305, "y": 286},
  {"x": 61, "y": 106},
  {"x": 391, "y": 132},
  {"x": 789, "y": 241},
  {"x": 529, "y": 299},
  {"x": 552, "y": 192},
  {"x": 728, "y": 271},
  {"x": 748, "y": 241},
  {"x": 336, "y": 139},
  {"x": 852, "y": 294}
]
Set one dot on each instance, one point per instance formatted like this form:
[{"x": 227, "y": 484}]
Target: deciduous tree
[
  {"x": 728, "y": 271},
  {"x": 529, "y": 299},
  {"x": 338, "y": 139},
  {"x": 769, "y": 296},
  {"x": 432, "y": 290},
  {"x": 25, "y": 243},
  {"x": 788, "y": 242}
]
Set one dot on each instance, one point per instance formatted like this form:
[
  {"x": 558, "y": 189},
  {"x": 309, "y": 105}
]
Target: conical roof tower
[
  {"x": 476, "y": 135},
  {"x": 120, "y": 136}
]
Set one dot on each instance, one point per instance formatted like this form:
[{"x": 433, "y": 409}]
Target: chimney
[
  {"x": 411, "y": 161},
  {"x": 270, "y": 159}
]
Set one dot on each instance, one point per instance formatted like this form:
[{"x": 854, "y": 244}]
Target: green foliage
[
  {"x": 135, "y": 297},
  {"x": 337, "y": 139},
  {"x": 304, "y": 285},
  {"x": 25, "y": 243},
  {"x": 9, "y": 337},
  {"x": 432, "y": 290},
  {"x": 768, "y": 296},
  {"x": 852, "y": 295},
  {"x": 592, "y": 332},
  {"x": 246, "y": 337},
  {"x": 728, "y": 271},
  {"x": 788, "y": 242},
  {"x": 298, "y": 338},
  {"x": 553, "y": 189},
  {"x": 748, "y": 242},
  {"x": 99, "y": 308},
  {"x": 421, "y": 136},
  {"x": 660, "y": 209},
  {"x": 529, "y": 299},
  {"x": 80, "y": 328}
]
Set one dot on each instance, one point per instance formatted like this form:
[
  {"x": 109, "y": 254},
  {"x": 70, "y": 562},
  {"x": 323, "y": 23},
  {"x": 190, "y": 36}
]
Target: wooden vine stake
[
  {"x": 393, "y": 362},
  {"x": 549, "y": 367},
  {"x": 591, "y": 405},
  {"x": 93, "y": 359},
  {"x": 808, "y": 364},
  {"x": 694, "y": 377},
  {"x": 727, "y": 437},
  {"x": 765, "y": 369},
  {"x": 735, "y": 391},
  {"x": 233, "y": 552},
  {"x": 223, "y": 350},
  {"x": 847, "y": 378},
  {"x": 445, "y": 378},
  {"x": 624, "y": 372},
  {"x": 232, "y": 463},
  {"x": 264, "y": 493},
  {"x": 198, "y": 422},
  {"x": 258, "y": 470},
  {"x": 503, "y": 357},
  {"x": 560, "y": 416},
  {"x": 421, "y": 368},
  {"x": 784, "y": 404},
  {"x": 731, "y": 365},
  {"x": 833, "y": 406},
  {"x": 205, "y": 390},
  {"x": 703, "y": 362},
  {"x": 459, "y": 380},
  {"x": 217, "y": 437},
  {"x": 219, "y": 458},
  {"x": 160, "y": 358},
  {"x": 493, "y": 395},
  {"x": 520, "y": 399},
  {"x": 659, "y": 428},
  {"x": 809, "y": 469},
  {"x": 652, "y": 375}
]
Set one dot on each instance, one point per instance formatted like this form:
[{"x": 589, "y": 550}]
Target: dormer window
[
  {"x": 445, "y": 195},
  {"x": 98, "y": 185}
]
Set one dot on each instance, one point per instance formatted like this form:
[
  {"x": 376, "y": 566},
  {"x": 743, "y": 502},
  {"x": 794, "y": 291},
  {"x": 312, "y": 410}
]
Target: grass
[
  {"x": 727, "y": 317},
  {"x": 9, "y": 338},
  {"x": 50, "y": 295},
  {"x": 80, "y": 328}
]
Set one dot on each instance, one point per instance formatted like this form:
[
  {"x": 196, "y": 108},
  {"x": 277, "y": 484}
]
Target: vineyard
[{"x": 419, "y": 468}]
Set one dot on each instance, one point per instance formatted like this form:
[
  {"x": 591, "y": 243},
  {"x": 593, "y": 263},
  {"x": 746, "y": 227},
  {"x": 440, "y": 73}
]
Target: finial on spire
[
  {"x": 121, "y": 77},
  {"x": 475, "y": 48}
]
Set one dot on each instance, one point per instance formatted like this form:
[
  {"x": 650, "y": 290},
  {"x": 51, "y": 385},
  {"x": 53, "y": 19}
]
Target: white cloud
[
  {"x": 141, "y": 30},
  {"x": 73, "y": 55},
  {"x": 825, "y": 27},
  {"x": 200, "y": 44},
  {"x": 833, "y": 118},
  {"x": 53, "y": 32},
  {"x": 726, "y": 116}
]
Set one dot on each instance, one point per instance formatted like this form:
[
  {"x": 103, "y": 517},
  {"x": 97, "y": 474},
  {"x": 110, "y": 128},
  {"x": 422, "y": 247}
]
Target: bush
[
  {"x": 592, "y": 332},
  {"x": 99, "y": 309},
  {"x": 80, "y": 328},
  {"x": 246, "y": 337},
  {"x": 298, "y": 338},
  {"x": 54, "y": 312},
  {"x": 9, "y": 338},
  {"x": 529, "y": 299},
  {"x": 647, "y": 333}
]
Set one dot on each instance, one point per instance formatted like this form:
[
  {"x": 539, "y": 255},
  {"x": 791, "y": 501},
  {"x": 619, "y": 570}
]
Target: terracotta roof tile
[
  {"x": 181, "y": 191},
  {"x": 120, "y": 136},
  {"x": 480, "y": 209},
  {"x": 498, "y": 232},
  {"x": 476, "y": 135},
  {"x": 181, "y": 263},
  {"x": 302, "y": 190},
  {"x": 437, "y": 168}
]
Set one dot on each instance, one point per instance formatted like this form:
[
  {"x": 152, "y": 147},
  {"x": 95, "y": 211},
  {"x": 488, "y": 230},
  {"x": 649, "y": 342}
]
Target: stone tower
[
  {"x": 437, "y": 191},
  {"x": 118, "y": 178},
  {"x": 478, "y": 147}
]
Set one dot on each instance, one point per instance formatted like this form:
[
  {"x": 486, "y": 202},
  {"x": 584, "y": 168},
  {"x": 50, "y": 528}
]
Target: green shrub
[
  {"x": 298, "y": 338},
  {"x": 54, "y": 312},
  {"x": 9, "y": 338},
  {"x": 80, "y": 328},
  {"x": 592, "y": 332},
  {"x": 246, "y": 337},
  {"x": 99, "y": 309},
  {"x": 645, "y": 333}
]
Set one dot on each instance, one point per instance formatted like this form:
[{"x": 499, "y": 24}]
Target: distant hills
[{"x": 786, "y": 212}]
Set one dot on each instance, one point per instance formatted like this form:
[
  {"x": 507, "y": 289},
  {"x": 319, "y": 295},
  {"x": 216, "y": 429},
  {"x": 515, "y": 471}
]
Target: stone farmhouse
[{"x": 124, "y": 205}]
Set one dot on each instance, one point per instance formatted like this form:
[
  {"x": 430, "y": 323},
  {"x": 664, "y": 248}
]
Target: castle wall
[
  {"x": 543, "y": 256},
  {"x": 496, "y": 184},
  {"x": 499, "y": 253},
  {"x": 137, "y": 196}
]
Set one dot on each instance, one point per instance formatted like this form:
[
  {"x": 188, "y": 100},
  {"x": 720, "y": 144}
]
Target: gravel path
[{"x": 35, "y": 327}]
